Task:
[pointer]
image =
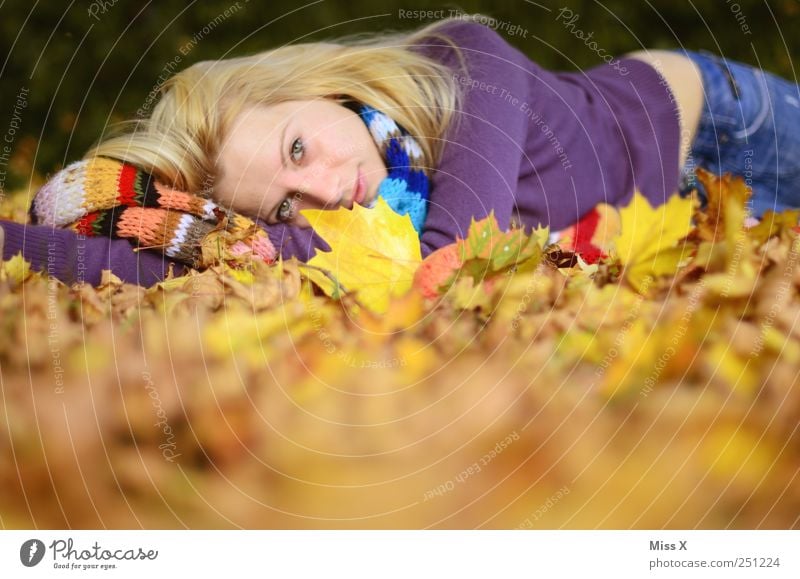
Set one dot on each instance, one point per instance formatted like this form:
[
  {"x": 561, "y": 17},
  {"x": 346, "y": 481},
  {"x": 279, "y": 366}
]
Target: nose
[{"x": 316, "y": 187}]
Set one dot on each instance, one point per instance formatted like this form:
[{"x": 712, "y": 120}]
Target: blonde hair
[{"x": 178, "y": 143}]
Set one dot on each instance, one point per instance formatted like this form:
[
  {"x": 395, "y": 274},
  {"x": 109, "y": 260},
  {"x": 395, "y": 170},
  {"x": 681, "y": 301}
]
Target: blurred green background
[{"x": 70, "y": 69}]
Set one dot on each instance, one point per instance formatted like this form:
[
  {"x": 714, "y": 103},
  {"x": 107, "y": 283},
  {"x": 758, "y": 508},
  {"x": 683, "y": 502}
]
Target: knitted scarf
[
  {"x": 406, "y": 189},
  {"x": 105, "y": 197}
]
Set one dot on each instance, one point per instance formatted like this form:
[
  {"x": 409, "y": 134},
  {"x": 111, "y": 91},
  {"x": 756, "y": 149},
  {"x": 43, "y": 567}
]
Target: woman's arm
[
  {"x": 293, "y": 241},
  {"x": 482, "y": 157},
  {"x": 71, "y": 258}
]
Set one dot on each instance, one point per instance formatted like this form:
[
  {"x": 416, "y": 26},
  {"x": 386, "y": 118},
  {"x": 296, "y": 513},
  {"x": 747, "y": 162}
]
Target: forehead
[
  {"x": 255, "y": 125},
  {"x": 259, "y": 126},
  {"x": 249, "y": 153}
]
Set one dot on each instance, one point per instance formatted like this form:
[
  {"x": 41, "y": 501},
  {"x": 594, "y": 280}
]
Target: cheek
[
  {"x": 259, "y": 204},
  {"x": 369, "y": 150},
  {"x": 359, "y": 141},
  {"x": 242, "y": 201},
  {"x": 249, "y": 203},
  {"x": 221, "y": 195},
  {"x": 251, "y": 192},
  {"x": 375, "y": 156}
]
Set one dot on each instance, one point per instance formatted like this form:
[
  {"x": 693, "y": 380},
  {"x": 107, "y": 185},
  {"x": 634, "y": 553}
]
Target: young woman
[{"x": 447, "y": 123}]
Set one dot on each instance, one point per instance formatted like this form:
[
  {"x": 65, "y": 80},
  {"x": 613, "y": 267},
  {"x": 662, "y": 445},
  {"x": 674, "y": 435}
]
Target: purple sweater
[{"x": 535, "y": 146}]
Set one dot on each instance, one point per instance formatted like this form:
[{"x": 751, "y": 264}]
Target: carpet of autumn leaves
[{"x": 497, "y": 384}]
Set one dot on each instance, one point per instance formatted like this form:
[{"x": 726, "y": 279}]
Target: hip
[{"x": 750, "y": 127}]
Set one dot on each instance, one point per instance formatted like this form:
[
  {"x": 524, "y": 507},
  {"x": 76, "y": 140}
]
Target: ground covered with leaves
[{"x": 503, "y": 382}]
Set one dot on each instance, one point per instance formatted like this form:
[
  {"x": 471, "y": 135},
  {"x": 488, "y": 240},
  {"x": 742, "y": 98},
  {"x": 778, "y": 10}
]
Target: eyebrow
[{"x": 280, "y": 144}]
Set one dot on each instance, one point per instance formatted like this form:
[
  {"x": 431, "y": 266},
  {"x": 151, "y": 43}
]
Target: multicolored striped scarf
[
  {"x": 406, "y": 189},
  {"x": 106, "y": 197}
]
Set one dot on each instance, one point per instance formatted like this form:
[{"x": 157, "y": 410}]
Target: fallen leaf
[
  {"x": 648, "y": 243},
  {"x": 438, "y": 270},
  {"x": 16, "y": 269},
  {"x": 467, "y": 294},
  {"x": 486, "y": 252},
  {"x": 374, "y": 252},
  {"x": 726, "y": 205},
  {"x": 772, "y": 223}
]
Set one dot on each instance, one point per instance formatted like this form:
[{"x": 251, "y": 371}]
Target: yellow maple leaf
[
  {"x": 322, "y": 280},
  {"x": 17, "y": 268},
  {"x": 648, "y": 243},
  {"x": 374, "y": 252}
]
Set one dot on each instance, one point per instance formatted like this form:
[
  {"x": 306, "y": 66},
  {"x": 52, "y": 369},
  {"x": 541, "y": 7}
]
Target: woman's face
[{"x": 305, "y": 154}]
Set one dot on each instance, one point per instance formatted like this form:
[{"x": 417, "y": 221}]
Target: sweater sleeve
[
  {"x": 71, "y": 258},
  {"x": 293, "y": 241},
  {"x": 481, "y": 161}
]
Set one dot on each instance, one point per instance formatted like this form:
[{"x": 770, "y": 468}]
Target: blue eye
[
  {"x": 284, "y": 212},
  {"x": 297, "y": 149}
]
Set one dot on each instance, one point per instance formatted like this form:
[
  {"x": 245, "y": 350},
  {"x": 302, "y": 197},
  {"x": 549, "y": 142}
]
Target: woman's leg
[
  {"x": 684, "y": 80},
  {"x": 750, "y": 127}
]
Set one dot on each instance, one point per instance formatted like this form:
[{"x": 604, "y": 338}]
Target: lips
[{"x": 360, "y": 189}]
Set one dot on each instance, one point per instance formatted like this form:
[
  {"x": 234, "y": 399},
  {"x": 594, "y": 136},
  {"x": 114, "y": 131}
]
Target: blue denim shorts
[{"x": 750, "y": 126}]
